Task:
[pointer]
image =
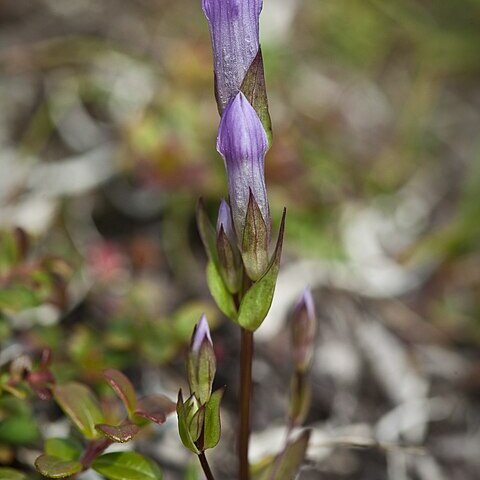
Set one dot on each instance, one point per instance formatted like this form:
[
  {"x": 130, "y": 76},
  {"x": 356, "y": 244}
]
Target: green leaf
[
  {"x": 121, "y": 433},
  {"x": 122, "y": 387},
  {"x": 207, "y": 232},
  {"x": 11, "y": 474},
  {"x": 288, "y": 463},
  {"x": 19, "y": 429},
  {"x": 253, "y": 87},
  {"x": 54, "y": 467},
  {"x": 212, "y": 427},
  {"x": 126, "y": 466},
  {"x": 219, "y": 291},
  {"x": 63, "y": 448},
  {"x": 258, "y": 299},
  {"x": 81, "y": 406}
]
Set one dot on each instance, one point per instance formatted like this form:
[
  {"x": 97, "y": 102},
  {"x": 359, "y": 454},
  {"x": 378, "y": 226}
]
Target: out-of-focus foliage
[{"x": 108, "y": 127}]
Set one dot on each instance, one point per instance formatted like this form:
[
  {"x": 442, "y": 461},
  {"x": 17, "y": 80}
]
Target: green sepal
[
  {"x": 55, "y": 467},
  {"x": 223, "y": 298},
  {"x": 201, "y": 367},
  {"x": 253, "y": 87},
  {"x": 229, "y": 262},
  {"x": 183, "y": 411},
  {"x": 255, "y": 241},
  {"x": 195, "y": 426},
  {"x": 300, "y": 397},
  {"x": 212, "y": 427},
  {"x": 258, "y": 299}
]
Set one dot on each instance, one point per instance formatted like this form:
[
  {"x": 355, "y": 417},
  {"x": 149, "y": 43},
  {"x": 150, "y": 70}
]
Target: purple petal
[
  {"x": 202, "y": 331},
  {"x": 225, "y": 220},
  {"x": 234, "y": 31},
  {"x": 242, "y": 142}
]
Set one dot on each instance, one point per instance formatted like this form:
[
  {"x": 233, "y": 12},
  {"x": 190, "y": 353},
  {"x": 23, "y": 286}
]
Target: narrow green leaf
[
  {"x": 118, "y": 433},
  {"x": 63, "y": 448},
  {"x": 207, "y": 232},
  {"x": 122, "y": 387},
  {"x": 212, "y": 425},
  {"x": 54, "y": 467},
  {"x": 258, "y": 299},
  {"x": 219, "y": 291},
  {"x": 253, "y": 87},
  {"x": 11, "y": 474},
  {"x": 81, "y": 406},
  {"x": 287, "y": 464},
  {"x": 126, "y": 466}
]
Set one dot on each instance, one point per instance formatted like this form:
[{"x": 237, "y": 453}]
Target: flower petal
[
  {"x": 234, "y": 27},
  {"x": 243, "y": 143}
]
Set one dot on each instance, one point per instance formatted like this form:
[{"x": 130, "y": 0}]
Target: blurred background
[{"x": 107, "y": 133}]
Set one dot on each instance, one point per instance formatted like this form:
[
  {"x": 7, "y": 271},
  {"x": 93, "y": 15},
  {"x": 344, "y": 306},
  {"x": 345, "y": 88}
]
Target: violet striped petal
[
  {"x": 243, "y": 143},
  {"x": 234, "y": 26}
]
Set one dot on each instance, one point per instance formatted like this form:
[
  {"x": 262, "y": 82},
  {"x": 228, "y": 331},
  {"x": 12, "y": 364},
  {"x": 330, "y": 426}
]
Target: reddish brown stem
[
  {"x": 245, "y": 399},
  {"x": 205, "y": 466}
]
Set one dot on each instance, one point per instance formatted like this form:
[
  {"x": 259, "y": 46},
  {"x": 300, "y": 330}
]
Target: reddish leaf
[
  {"x": 121, "y": 433},
  {"x": 122, "y": 387},
  {"x": 155, "y": 408}
]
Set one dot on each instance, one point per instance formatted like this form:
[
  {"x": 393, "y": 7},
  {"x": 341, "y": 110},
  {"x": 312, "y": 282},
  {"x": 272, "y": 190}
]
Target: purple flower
[
  {"x": 202, "y": 332},
  {"x": 234, "y": 31},
  {"x": 243, "y": 143},
  {"x": 225, "y": 220}
]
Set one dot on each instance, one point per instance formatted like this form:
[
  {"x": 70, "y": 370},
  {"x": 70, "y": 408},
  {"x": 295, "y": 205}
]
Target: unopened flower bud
[
  {"x": 201, "y": 363},
  {"x": 243, "y": 143},
  {"x": 228, "y": 254},
  {"x": 304, "y": 326},
  {"x": 234, "y": 27}
]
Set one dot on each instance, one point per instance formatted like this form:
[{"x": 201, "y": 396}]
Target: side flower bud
[
  {"x": 243, "y": 143},
  {"x": 228, "y": 254},
  {"x": 304, "y": 327},
  {"x": 234, "y": 27},
  {"x": 201, "y": 363}
]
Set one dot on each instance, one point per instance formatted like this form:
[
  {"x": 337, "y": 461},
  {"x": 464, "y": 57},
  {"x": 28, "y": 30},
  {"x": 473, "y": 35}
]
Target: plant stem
[
  {"x": 205, "y": 466},
  {"x": 94, "y": 449},
  {"x": 246, "y": 356}
]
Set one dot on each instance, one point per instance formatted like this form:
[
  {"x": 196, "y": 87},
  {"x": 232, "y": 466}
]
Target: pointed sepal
[
  {"x": 184, "y": 416},
  {"x": 229, "y": 262},
  {"x": 258, "y": 299},
  {"x": 212, "y": 429},
  {"x": 254, "y": 88},
  {"x": 255, "y": 241}
]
